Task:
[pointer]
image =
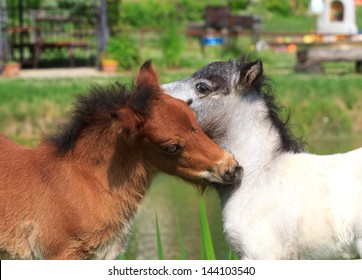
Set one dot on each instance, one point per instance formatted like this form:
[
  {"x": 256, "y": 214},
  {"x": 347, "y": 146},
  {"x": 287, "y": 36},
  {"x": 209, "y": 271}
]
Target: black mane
[
  {"x": 290, "y": 142},
  {"x": 262, "y": 85},
  {"x": 97, "y": 108}
]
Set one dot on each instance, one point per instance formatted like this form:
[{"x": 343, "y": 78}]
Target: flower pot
[
  {"x": 109, "y": 66},
  {"x": 11, "y": 69}
]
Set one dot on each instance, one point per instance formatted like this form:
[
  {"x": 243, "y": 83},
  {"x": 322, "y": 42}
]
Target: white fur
[
  {"x": 116, "y": 245},
  {"x": 288, "y": 206},
  {"x": 299, "y": 206}
]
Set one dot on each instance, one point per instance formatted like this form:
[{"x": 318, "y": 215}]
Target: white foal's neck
[{"x": 253, "y": 139}]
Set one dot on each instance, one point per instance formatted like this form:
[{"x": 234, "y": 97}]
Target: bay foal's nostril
[{"x": 233, "y": 175}]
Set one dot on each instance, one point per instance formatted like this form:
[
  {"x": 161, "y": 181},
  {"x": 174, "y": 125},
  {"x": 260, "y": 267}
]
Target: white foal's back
[{"x": 300, "y": 206}]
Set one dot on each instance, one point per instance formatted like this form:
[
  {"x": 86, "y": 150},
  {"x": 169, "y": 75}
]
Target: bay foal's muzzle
[{"x": 227, "y": 172}]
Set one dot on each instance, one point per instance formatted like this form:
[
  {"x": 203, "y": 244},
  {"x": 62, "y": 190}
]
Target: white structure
[{"x": 337, "y": 17}]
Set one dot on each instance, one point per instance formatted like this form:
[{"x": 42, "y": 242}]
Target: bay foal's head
[
  {"x": 147, "y": 125},
  {"x": 166, "y": 132}
]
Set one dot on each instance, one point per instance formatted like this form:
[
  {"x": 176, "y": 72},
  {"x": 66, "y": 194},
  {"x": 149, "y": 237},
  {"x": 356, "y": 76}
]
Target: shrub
[
  {"x": 125, "y": 50},
  {"x": 149, "y": 13},
  {"x": 237, "y": 5},
  {"x": 281, "y": 7},
  {"x": 113, "y": 15},
  {"x": 172, "y": 45}
]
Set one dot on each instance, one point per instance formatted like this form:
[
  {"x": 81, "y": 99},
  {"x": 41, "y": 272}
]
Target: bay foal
[{"x": 76, "y": 195}]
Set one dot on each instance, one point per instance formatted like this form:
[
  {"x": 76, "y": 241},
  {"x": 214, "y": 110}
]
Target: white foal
[{"x": 290, "y": 204}]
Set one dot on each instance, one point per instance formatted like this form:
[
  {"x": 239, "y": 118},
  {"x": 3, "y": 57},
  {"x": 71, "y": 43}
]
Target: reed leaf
[
  {"x": 159, "y": 243},
  {"x": 182, "y": 245},
  {"x": 122, "y": 257},
  {"x": 232, "y": 256},
  {"x": 202, "y": 246},
  {"x": 207, "y": 248}
]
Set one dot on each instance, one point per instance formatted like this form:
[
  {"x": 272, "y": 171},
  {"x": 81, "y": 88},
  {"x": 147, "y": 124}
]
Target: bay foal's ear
[
  {"x": 134, "y": 114},
  {"x": 249, "y": 73},
  {"x": 147, "y": 75},
  {"x": 147, "y": 89}
]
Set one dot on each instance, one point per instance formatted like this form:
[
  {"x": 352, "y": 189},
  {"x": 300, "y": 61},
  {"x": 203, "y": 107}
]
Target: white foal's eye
[{"x": 203, "y": 88}]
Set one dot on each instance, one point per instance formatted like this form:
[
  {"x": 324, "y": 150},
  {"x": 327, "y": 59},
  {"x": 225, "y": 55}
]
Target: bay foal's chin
[{"x": 76, "y": 195}]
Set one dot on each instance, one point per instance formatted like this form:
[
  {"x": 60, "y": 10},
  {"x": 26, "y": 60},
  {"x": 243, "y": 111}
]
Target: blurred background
[{"x": 53, "y": 49}]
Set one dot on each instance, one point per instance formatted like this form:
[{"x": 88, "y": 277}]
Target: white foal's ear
[{"x": 249, "y": 73}]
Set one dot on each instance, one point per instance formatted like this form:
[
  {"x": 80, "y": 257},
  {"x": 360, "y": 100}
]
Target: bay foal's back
[{"x": 76, "y": 195}]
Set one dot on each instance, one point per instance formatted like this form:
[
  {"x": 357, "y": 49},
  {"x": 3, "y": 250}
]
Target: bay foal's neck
[
  {"x": 114, "y": 166},
  {"x": 105, "y": 181}
]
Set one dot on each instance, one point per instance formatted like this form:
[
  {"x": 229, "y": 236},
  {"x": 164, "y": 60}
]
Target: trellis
[{"x": 68, "y": 26}]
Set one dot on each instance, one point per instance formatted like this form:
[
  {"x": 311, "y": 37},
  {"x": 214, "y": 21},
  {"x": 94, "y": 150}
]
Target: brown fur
[{"x": 75, "y": 196}]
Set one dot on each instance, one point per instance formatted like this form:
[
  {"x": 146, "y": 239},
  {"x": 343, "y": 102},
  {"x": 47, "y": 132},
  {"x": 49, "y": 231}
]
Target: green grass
[
  {"x": 321, "y": 104},
  {"x": 159, "y": 242},
  {"x": 278, "y": 23},
  {"x": 207, "y": 247},
  {"x": 181, "y": 242}
]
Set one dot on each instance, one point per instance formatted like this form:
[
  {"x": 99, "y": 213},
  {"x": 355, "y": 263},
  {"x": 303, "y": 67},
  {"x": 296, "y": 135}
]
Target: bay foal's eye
[
  {"x": 172, "y": 149},
  {"x": 203, "y": 88}
]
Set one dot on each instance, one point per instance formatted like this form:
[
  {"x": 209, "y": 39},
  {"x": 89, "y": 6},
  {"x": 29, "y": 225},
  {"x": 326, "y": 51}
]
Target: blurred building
[{"x": 336, "y": 17}]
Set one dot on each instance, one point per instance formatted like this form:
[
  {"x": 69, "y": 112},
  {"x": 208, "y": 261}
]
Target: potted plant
[
  {"x": 109, "y": 65},
  {"x": 121, "y": 52},
  {"x": 11, "y": 68}
]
